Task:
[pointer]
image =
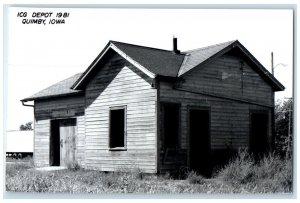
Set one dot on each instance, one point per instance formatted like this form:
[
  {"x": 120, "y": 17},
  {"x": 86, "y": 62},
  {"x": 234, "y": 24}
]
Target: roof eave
[{"x": 275, "y": 83}]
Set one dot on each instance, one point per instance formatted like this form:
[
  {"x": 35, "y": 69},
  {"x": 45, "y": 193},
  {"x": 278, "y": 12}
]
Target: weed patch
[
  {"x": 241, "y": 175},
  {"x": 269, "y": 174}
]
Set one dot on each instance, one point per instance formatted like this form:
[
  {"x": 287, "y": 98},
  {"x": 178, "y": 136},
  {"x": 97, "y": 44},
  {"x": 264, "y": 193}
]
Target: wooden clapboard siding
[
  {"x": 80, "y": 141},
  {"x": 118, "y": 83},
  {"x": 228, "y": 77},
  {"x": 57, "y": 108},
  {"x": 229, "y": 119},
  {"x": 41, "y": 143},
  {"x": 42, "y": 135},
  {"x": 63, "y": 107}
]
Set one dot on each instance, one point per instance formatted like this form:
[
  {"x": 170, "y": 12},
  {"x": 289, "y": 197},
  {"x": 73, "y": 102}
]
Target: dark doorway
[
  {"x": 258, "y": 133},
  {"x": 171, "y": 125},
  {"x": 117, "y": 128},
  {"x": 199, "y": 122},
  {"x": 54, "y": 144},
  {"x": 62, "y": 142}
]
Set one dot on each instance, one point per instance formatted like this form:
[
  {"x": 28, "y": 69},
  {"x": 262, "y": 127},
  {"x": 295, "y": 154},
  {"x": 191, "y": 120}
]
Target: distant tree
[
  {"x": 283, "y": 126},
  {"x": 27, "y": 126}
]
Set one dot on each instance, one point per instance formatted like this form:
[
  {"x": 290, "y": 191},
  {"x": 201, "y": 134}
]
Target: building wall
[
  {"x": 62, "y": 107},
  {"x": 229, "y": 118},
  {"x": 41, "y": 143},
  {"x": 118, "y": 83},
  {"x": 57, "y": 108},
  {"x": 230, "y": 76},
  {"x": 80, "y": 141}
]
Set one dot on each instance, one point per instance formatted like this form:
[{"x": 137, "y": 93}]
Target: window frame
[{"x": 124, "y": 148}]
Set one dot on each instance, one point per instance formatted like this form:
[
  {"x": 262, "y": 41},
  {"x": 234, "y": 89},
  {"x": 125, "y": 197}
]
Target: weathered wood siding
[
  {"x": 80, "y": 141},
  {"x": 229, "y": 119},
  {"x": 41, "y": 143},
  {"x": 230, "y": 76},
  {"x": 118, "y": 83},
  {"x": 57, "y": 108}
]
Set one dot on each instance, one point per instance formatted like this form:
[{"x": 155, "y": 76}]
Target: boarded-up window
[{"x": 117, "y": 128}]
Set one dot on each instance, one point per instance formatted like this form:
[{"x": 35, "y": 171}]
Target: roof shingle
[
  {"x": 158, "y": 61},
  {"x": 198, "y": 56},
  {"x": 58, "y": 89}
]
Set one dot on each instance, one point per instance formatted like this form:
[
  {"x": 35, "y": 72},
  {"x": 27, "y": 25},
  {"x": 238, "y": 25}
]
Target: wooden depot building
[{"x": 156, "y": 110}]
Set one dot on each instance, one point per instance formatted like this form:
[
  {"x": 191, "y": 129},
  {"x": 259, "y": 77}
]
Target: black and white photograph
[{"x": 149, "y": 100}]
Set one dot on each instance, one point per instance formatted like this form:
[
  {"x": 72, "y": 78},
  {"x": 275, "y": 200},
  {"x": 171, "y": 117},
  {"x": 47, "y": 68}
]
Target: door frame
[
  {"x": 57, "y": 120},
  {"x": 54, "y": 160},
  {"x": 195, "y": 107}
]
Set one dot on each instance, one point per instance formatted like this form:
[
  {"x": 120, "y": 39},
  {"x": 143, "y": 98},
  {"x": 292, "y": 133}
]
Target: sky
[{"x": 40, "y": 55}]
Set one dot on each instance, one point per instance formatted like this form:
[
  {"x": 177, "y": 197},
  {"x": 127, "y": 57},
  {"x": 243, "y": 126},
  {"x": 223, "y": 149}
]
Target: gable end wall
[{"x": 118, "y": 83}]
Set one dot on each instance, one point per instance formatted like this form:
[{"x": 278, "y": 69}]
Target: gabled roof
[
  {"x": 156, "y": 62},
  {"x": 58, "y": 89},
  {"x": 150, "y": 60},
  {"x": 197, "y": 56}
]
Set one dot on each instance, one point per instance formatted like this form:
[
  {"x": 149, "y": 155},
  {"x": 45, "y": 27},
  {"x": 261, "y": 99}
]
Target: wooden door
[
  {"x": 199, "y": 141},
  {"x": 67, "y": 131}
]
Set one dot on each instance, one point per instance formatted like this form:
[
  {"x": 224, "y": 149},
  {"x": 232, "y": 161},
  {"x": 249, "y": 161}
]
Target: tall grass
[
  {"x": 242, "y": 175},
  {"x": 269, "y": 174}
]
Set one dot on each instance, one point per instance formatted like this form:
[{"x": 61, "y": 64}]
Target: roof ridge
[{"x": 229, "y": 42}]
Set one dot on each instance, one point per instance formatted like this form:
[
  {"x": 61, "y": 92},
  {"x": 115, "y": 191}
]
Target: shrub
[
  {"x": 274, "y": 173},
  {"x": 238, "y": 170},
  {"x": 269, "y": 174}
]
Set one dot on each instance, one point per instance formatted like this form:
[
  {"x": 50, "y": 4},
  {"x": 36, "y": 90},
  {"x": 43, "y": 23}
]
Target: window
[{"x": 117, "y": 128}]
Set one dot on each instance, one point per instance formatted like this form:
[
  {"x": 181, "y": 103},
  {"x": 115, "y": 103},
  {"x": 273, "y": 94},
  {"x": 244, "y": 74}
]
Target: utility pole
[{"x": 272, "y": 63}]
